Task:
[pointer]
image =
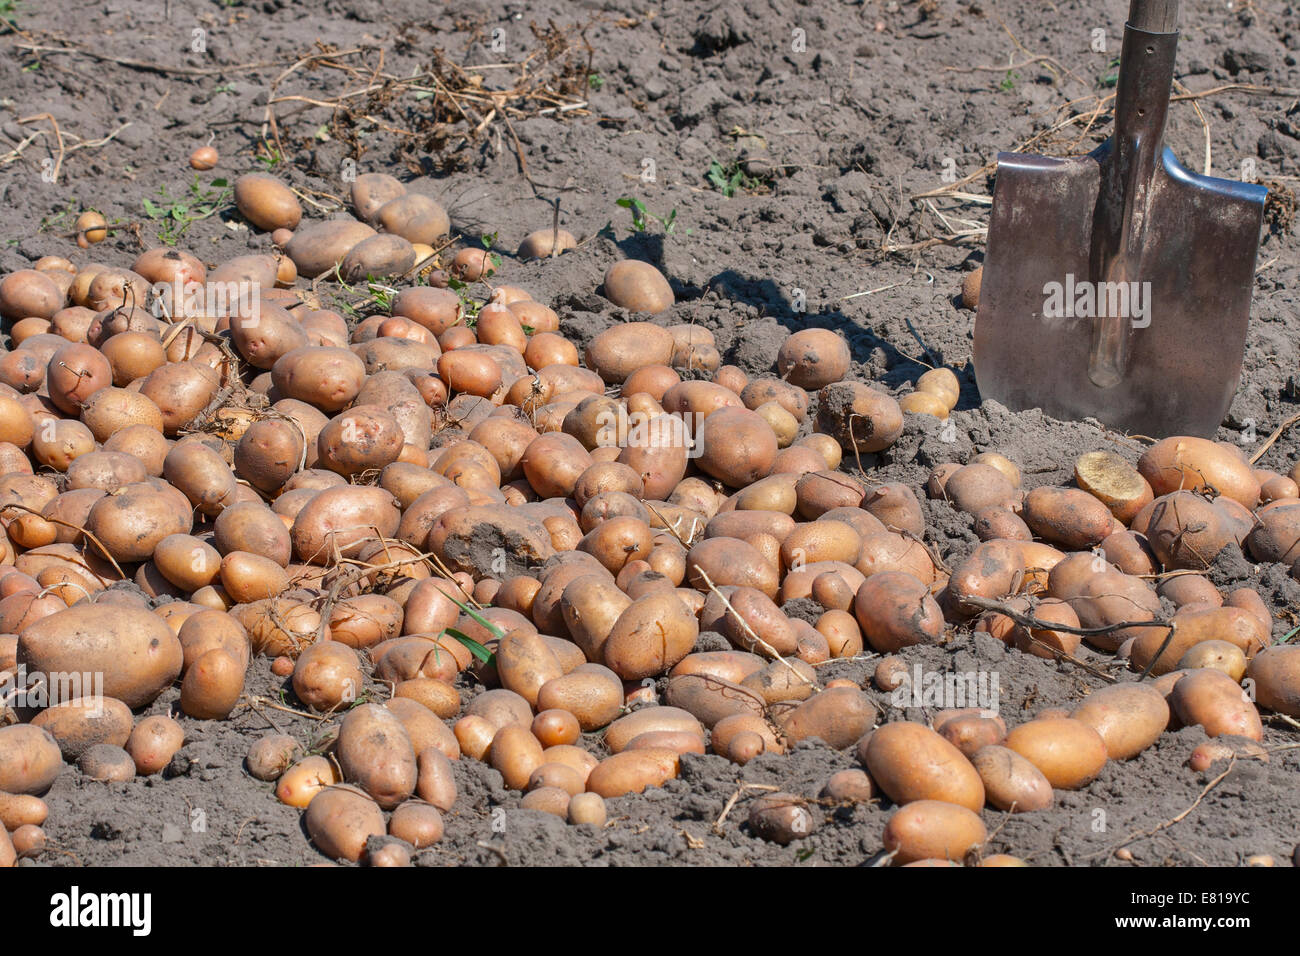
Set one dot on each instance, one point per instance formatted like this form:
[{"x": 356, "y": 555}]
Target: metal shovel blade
[{"x": 1117, "y": 285}]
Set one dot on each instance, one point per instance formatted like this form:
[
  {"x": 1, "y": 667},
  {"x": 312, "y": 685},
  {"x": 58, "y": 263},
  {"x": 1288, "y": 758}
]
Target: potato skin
[
  {"x": 654, "y": 633},
  {"x": 135, "y": 650},
  {"x": 1010, "y": 781},
  {"x": 895, "y": 610},
  {"x": 859, "y": 417},
  {"x": 29, "y": 760},
  {"x": 633, "y": 771},
  {"x": 1276, "y": 673},
  {"x": 1190, "y": 464},
  {"x": 909, "y": 761},
  {"x": 1129, "y": 717},
  {"x": 1216, "y": 702},
  {"x": 342, "y": 518},
  {"x": 1067, "y": 517},
  {"x": 375, "y": 752},
  {"x": 638, "y": 287},
  {"x": 782, "y": 818},
  {"x": 81, "y": 723},
  {"x": 839, "y": 716},
  {"x": 340, "y": 819},
  {"x": 933, "y": 830},
  {"x": 1069, "y": 753},
  {"x": 266, "y": 202},
  {"x": 813, "y": 358}
]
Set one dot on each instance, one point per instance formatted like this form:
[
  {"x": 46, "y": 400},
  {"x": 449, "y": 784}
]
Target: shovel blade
[{"x": 1189, "y": 308}]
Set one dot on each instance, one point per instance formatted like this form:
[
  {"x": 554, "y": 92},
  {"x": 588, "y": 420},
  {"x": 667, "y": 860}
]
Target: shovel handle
[{"x": 1153, "y": 16}]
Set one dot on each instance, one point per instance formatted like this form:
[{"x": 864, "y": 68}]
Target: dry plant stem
[
  {"x": 731, "y": 802},
  {"x": 58, "y": 140},
  {"x": 1277, "y": 433},
  {"x": 749, "y": 630}
]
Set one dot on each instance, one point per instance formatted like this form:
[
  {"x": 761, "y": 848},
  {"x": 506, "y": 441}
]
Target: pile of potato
[{"x": 465, "y": 540}]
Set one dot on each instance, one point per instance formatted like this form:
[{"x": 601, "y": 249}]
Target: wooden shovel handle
[{"x": 1153, "y": 16}]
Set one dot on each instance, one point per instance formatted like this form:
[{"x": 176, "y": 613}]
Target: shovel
[{"x": 1117, "y": 285}]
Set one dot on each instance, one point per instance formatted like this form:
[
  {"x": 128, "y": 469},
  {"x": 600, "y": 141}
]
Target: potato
[
  {"x": 725, "y": 561},
  {"x": 340, "y": 819},
  {"x": 82, "y": 722},
  {"x": 1186, "y": 532},
  {"x": 1219, "y": 655},
  {"x": 1069, "y": 752},
  {"x": 859, "y": 417},
  {"x": 375, "y": 753},
  {"x": 327, "y": 675},
  {"x": 970, "y": 731},
  {"x": 304, "y": 780},
  {"x": 135, "y": 650},
  {"x": 933, "y": 830},
  {"x": 895, "y": 610},
  {"x": 515, "y": 753},
  {"x": 1231, "y": 624},
  {"x": 1184, "y": 463},
  {"x": 650, "y": 636},
  {"x": 1067, "y": 517},
  {"x": 638, "y": 287},
  {"x": 29, "y": 760},
  {"x": 180, "y": 390},
  {"x": 909, "y": 761},
  {"x": 1129, "y": 717},
  {"x": 1276, "y": 673},
  {"x": 21, "y": 810},
  {"x": 632, "y": 772},
  {"x": 29, "y": 293},
  {"x": 781, "y": 818},
  {"x": 620, "y": 350},
  {"x": 813, "y": 358},
  {"x": 266, "y": 202},
  {"x": 106, "y": 763},
  {"x": 736, "y": 446},
  {"x": 423, "y": 728},
  {"x": 1114, "y": 482},
  {"x": 153, "y": 743},
  {"x": 328, "y": 378},
  {"x": 1011, "y": 782},
  {"x": 620, "y": 735},
  {"x": 318, "y": 247},
  {"x": 525, "y": 663},
  {"x": 340, "y": 520},
  {"x": 1217, "y": 703},
  {"x": 839, "y": 716},
  {"x": 212, "y": 686},
  {"x": 270, "y": 756}
]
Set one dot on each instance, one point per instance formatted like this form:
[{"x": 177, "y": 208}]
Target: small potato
[
  {"x": 933, "y": 830},
  {"x": 895, "y": 610},
  {"x": 781, "y": 818},
  {"x": 587, "y": 808},
  {"x": 1067, "y": 517},
  {"x": 515, "y": 753},
  {"x": 1011, "y": 782},
  {"x": 419, "y": 824},
  {"x": 1069, "y": 752},
  {"x": 1219, "y": 655},
  {"x": 859, "y": 417},
  {"x": 270, "y": 756},
  {"x": 153, "y": 743},
  {"x": 1129, "y": 717},
  {"x": 1276, "y": 673},
  {"x": 1183, "y": 463},
  {"x": 340, "y": 819},
  {"x": 17, "y": 810},
  {"x": 304, "y": 780},
  {"x": 909, "y": 761},
  {"x": 546, "y": 243},
  {"x": 83, "y": 722},
  {"x": 839, "y": 716},
  {"x": 106, "y": 763},
  {"x": 436, "y": 781}
]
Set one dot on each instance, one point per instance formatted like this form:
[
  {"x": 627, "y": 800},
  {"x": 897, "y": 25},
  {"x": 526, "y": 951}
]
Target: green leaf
[
  {"x": 479, "y": 618},
  {"x": 475, "y": 648}
]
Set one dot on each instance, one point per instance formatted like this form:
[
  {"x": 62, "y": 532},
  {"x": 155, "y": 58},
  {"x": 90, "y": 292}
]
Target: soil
[{"x": 841, "y": 113}]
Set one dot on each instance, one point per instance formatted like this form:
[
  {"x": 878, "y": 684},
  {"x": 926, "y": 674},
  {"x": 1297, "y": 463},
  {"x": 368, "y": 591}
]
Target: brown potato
[
  {"x": 341, "y": 819},
  {"x": 813, "y": 359},
  {"x": 29, "y": 760},
  {"x": 82, "y": 722},
  {"x": 1129, "y": 717},
  {"x": 212, "y": 686},
  {"x": 327, "y": 675},
  {"x": 638, "y": 287},
  {"x": 859, "y": 417},
  {"x": 319, "y": 246},
  {"x": 909, "y": 761},
  {"x": 839, "y": 716},
  {"x": 1217, "y": 703},
  {"x": 1069, "y": 752},
  {"x": 1276, "y": 675},
  {"x": 328, "y": 378},
  {"x": 633, "y": 771},
  {"x": 591, "y": 693},
  {"x": 1011, "y": 782},
  {"x": 266, "y": 202},
  {"x": 1067, "y": 517},
  {"x": 153, "y": 743},
  {"x": 135, "y": 650},
  {"x": 781, "y": 818},
  {"x": 270, "y": 756},
  {"x": 375, "y": 752},
  {"x": 1185, "y": 463},
  {"x": 650, "y": 636},
  {"x": 933, "y": 830},
  {"x": 895, "y": 610}
]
